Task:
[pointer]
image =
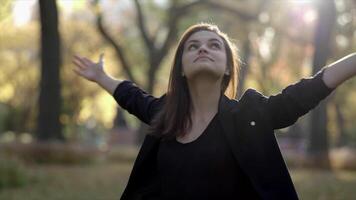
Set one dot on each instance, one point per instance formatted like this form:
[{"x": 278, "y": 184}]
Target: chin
[{"x": 205, "y": 72}]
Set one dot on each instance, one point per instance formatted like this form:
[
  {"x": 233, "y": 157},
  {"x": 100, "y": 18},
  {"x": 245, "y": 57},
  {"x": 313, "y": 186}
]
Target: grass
[
  {"x": 55, "y": 182},
  {"x": 324, "y": 185},
  {"x": 106, "y": 181}
]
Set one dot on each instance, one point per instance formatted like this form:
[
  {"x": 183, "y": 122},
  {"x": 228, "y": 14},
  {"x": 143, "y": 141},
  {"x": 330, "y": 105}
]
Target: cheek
[
  {"x": 221, "y": 59},
  {"x": 186, "y": 59}
]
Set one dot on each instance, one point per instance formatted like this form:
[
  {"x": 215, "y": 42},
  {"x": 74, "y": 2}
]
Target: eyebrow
[{"x": 197, "y": 41}]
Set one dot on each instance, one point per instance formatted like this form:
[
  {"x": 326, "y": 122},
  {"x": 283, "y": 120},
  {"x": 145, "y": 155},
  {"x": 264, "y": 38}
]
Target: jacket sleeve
[
  {"x": 295, "y": 100},
  {"x": 136, "y": 101}
]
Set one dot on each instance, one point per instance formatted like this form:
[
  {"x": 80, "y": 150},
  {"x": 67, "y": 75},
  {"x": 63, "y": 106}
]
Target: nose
[{"x": 203, "y": 49}]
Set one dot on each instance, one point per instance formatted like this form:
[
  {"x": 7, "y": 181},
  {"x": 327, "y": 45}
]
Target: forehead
[{"x": 204, "y": 36}]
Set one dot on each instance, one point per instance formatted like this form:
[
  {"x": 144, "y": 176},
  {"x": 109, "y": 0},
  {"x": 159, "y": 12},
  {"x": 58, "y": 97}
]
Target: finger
[
  {"x": 79, "y": 64},
  {"x": 101, "y": 58},
  {"x": 87, "y": 61},
  {"x": 78, "y": 57},
  {"x": 80, "y": 60},
  {"x": 78, "y": 72},
  {"x": 84, "y": 60}
]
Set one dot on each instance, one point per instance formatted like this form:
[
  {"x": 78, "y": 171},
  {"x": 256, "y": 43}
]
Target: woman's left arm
[
  {"x": 341, "y": 70},
  {"x": 299, "y": 98}
]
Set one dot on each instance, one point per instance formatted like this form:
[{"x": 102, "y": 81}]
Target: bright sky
[{"x": 22, "y": 9}]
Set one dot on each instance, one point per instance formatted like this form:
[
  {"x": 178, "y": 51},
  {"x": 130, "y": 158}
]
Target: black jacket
[{"x": 248, "y": 124}]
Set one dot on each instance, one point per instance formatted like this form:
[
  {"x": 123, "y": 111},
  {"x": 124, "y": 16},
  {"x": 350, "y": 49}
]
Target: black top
[{"x": 202, "y": 169}]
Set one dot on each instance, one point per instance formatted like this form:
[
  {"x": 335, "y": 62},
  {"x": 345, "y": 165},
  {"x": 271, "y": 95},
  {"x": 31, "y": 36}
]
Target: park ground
[{"x": 106, "y": 181}]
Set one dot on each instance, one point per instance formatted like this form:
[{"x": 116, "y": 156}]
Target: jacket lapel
[
  {"x": 226, "y": 115},
  {"x": 230, "y": 116}
]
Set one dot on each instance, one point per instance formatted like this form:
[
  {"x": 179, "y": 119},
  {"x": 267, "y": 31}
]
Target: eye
[
  {"x": 215, "y": 45},
  {"x": 192, "y": 46}
]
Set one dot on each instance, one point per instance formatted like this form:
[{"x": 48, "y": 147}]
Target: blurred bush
[
  {"x": 340, "y": 158},
  {"x": 343, "y": 158},
  {"x": 52, "y": 153},
  {"x": 122, "y": 153},
  {"x": 12, "y": 172}
]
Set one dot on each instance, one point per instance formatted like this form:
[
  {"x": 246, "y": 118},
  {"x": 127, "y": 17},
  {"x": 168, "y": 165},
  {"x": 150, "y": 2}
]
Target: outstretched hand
[{"x": 89, "y": 69}]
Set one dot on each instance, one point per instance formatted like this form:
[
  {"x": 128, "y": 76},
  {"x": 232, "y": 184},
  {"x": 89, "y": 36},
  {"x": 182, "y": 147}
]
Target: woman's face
[{"x": 204, "y": 53}]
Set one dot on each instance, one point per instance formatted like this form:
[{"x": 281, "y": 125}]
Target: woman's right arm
[
  {"x": 137, "y": 102},
  {"x": 129, "y": 96}
]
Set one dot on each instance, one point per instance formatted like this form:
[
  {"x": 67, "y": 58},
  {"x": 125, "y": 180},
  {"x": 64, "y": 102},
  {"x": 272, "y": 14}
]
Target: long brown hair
[{"x": 174, "y": 118}]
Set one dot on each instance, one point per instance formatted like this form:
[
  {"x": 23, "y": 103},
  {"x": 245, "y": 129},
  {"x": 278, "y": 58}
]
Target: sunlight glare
[
  {"x": 22, "y": 11},
  {"x": 309, "y": 16},
  {"x": 300, "y": 1}
]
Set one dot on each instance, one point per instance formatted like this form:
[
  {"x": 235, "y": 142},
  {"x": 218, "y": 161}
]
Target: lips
[{"x": 201, "y": 57}]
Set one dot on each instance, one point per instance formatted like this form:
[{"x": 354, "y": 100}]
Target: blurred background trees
[
  {"x": 319, "y": 143},
  {"x": 279, "y": 43}
]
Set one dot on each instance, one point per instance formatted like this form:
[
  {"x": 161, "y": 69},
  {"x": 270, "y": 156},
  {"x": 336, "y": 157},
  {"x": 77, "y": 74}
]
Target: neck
[{"x": 205, "y": 95}]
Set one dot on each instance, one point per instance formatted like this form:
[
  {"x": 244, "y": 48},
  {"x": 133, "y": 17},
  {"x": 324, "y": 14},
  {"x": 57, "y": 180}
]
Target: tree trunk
[
  {"x": 48, "y": 124},
  {"x": 341, "y": 139},
  {"x": 318, "y": 149},
  {"x": 246, "y": 53}
]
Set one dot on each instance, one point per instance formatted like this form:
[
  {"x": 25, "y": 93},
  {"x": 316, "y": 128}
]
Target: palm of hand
[
  {"x": 92, "y": 70},
  {"x": 87, "y": 68}
]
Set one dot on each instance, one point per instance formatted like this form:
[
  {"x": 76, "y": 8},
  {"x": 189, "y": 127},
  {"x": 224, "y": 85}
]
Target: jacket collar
[
  {"x": 231, "y": 118},
  {"x": 229, "y": 114},
  {"x": 226, "y": 104}
]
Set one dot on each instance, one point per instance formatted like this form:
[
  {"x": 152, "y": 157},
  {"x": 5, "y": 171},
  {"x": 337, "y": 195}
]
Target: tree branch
[
  {"x": 243, "y": 15},
  {"x": 118, "y": 49},
  {"x": 141, "y": 25},
  {"x": 176, "y": 13}
]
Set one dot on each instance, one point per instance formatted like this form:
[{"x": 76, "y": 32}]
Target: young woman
[{"x": 202, "y": 142}]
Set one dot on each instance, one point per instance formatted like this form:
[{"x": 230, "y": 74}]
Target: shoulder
[
  {"x": 250, "y": 100},
  {"x": 254, "y": 105},
  {"x": 252, "y": 96}
]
